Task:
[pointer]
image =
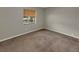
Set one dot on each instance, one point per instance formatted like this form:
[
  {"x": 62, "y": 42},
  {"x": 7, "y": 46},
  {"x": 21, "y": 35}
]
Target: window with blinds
[{"x": 29, "y": 16}]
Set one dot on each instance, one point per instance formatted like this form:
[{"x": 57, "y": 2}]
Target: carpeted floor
[{"x": 41, "y": 41}]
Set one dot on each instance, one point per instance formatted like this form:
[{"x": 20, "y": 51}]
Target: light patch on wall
[{"x": 29, "y": 16}]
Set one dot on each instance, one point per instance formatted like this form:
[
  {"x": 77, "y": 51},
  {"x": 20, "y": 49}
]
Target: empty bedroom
[{"x": 39, "y": 29}]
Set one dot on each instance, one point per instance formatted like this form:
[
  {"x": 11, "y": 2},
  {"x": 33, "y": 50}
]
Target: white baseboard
[
  {"x": 63, "y": 33},
  {"x": 19, "y": 34},
  {"x": 33, "y": 31}
]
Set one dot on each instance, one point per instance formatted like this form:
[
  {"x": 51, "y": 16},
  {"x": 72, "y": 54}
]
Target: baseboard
[
  {"x": 33, "y": 31},
  {"x": 63, "y": 33},
  {"x": 20, "y": 34}
]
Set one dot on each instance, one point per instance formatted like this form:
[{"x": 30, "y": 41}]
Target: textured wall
[
  {"x": 64, "y": 20},
  {"x": 11, "y": 21}
]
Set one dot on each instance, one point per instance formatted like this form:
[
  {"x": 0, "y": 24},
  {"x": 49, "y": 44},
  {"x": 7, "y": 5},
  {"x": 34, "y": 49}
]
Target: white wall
[
  {"x": 11, "y": 22},
  {"x": 63, "y": 20}
]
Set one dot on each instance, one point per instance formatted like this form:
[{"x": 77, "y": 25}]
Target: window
[{"x": 29, "y": 16}]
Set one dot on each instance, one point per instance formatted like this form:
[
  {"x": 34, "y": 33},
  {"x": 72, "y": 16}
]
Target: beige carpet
[{"x": 41, "y": 41}]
